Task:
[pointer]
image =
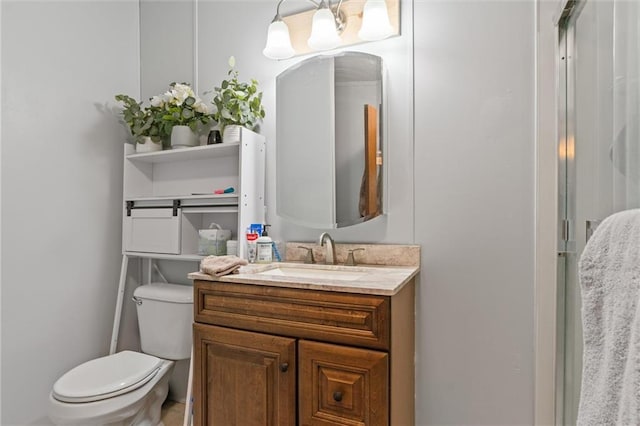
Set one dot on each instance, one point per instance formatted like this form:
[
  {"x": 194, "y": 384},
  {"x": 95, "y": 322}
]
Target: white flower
[
  {"x": 201, "y": 107},
  {"x": 169, "y": 97},
  {"x": 157, "y": 101},
  {"x": 166, "y": 97},
  {"x": 183, "y": 88},
  {"x": 180, "y": 92}
]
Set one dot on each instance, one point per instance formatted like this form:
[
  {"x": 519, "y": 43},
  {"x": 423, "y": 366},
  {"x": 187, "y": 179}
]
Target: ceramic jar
[
  {"x": 183, "y": 137},
  {"x": 145, "y": 144}
]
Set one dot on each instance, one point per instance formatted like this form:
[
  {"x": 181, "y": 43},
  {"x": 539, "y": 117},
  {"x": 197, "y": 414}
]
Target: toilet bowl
[
  {"x": 128, "y": 388},
  {"x": 88, "y": 396}
]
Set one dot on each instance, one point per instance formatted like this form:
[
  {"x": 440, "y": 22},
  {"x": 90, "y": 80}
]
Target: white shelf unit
[{"x": 169, "y": 196}]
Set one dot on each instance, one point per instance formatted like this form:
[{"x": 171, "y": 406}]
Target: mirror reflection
[{"x": 329, "y": 167}]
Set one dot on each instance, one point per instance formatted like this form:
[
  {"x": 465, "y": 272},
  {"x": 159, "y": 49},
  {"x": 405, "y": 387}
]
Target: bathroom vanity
[{"x": 292, "y": 343}]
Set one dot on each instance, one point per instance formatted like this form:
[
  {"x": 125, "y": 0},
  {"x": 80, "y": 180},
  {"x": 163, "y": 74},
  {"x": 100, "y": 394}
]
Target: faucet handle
[
  {"x": 309, "y": 256},
  {"x": 351, "y": 261}
]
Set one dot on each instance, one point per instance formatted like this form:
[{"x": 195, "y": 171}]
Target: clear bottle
[
  {"x": 265, "y": 247},
  {"x": 253, "y": 234}
]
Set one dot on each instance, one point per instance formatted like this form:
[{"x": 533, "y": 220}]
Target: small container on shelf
[
  {"x": 232, "y": 247},
  {"x": 213, "y": 241}
]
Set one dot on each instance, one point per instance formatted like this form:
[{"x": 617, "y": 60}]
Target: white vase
[
  {"x": 183, "y": 137},
  {"x": 231, "y": 134},
  {"x": 145, "y": 144}
]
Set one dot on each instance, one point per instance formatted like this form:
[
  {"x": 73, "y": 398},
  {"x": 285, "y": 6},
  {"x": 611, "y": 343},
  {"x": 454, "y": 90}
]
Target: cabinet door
[
  {"x": 243, "y": 378},
  {"x": 154, "y": 230},
  {"x": 340, "y": 385}
]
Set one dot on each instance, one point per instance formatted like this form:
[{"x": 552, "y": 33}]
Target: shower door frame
[
  {"x": 551, "y": 123},
  {"x": 568, "y": 342},
  {"x": 566, "y": 205},
  {"x": 564, "y": 225}
]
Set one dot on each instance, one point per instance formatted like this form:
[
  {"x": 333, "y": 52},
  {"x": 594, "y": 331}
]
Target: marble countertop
[{"x": 363, "y": 279}]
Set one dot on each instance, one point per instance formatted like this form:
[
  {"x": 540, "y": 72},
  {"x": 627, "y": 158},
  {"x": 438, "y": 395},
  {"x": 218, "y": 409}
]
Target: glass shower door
[{"x": 599, "y": 154}]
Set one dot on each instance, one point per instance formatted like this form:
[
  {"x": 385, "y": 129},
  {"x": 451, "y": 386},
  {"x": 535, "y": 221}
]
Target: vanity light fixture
[
  {"x": 322, "y": 28},
  {"x": 278, "y": 40}
]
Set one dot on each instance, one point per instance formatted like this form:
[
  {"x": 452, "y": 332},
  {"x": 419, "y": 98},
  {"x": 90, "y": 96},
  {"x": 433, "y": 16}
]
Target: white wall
[
  {"x": 219, "y": 37},
  {"x": 474, "y": 180},
  {"x": 1, "y": 209},
  {"x": 62, "y": 63},
  {"x": 166, "y": 45}
]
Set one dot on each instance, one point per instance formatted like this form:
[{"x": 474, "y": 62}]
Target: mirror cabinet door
[
  {"x": 329, "y": 147},
  {"x": 305, "y": 146}
]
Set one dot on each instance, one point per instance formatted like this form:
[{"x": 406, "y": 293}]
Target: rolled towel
[
  {"x": 218, "y": 266},
  {"x": 609, "y": 271}
]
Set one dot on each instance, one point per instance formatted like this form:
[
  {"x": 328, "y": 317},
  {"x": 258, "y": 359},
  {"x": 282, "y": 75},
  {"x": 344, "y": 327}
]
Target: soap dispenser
[{"x": 265, "y": 247}]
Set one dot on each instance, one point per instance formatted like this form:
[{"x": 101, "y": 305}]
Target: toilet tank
[{"x": 165, "y": 317}]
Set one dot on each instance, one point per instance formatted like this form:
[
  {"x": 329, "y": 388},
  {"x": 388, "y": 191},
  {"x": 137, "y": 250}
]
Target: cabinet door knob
[
  {"x": 284, "y": 367},
  {"x": 337, "y": 396}
]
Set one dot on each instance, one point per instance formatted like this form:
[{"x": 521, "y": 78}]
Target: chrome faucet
[{"x": 330, "y": 257}]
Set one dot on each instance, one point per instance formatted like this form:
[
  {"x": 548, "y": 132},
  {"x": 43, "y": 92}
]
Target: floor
[{"x": 172, "y": 413}]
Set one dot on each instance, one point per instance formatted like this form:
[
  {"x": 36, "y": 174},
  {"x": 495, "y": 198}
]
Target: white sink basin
[{"x": 314, "y": 272}]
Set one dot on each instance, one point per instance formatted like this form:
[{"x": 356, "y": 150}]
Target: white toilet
[{"x": 128, "y": 388}]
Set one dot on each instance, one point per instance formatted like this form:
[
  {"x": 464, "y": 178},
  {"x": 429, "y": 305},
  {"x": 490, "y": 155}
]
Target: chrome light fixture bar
[{"x": 327, "y": 27}]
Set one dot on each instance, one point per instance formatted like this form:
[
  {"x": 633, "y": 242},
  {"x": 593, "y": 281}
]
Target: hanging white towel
[{"x": 609, "y": 271}]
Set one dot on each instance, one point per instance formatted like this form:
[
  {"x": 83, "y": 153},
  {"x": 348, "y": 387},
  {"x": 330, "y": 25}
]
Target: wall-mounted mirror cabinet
[{"x": 330, "y": 144}]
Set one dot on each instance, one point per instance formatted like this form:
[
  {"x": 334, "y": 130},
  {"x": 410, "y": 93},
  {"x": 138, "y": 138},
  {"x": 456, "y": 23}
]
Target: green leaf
[
  {"x": 236, "y": 102},
  {"x": 146, "y": 125},
  {"x": 225, "y": 113}
]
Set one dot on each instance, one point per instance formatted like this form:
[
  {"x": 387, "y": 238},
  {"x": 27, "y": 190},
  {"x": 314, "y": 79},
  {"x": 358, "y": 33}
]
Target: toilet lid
[{"x": 106, "y": 377}]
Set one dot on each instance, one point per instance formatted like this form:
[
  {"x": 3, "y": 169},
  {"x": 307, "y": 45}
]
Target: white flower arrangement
[{"x": 181, "y": 107}]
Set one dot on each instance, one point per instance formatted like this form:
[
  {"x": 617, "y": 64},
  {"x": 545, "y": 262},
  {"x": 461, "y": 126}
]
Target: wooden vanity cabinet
[
  {"x": 245, "y": 378},
  {"x": 282, "y": 356}
]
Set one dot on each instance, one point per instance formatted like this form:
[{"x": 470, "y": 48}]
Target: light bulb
[
  {"x": 375, "y": 21},
  {"x": 324, "y": 34},
  {"x": 278, "y": 41}
]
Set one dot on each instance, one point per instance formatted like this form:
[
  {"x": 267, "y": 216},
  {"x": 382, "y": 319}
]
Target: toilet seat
[{"x": 106, "y": 377}]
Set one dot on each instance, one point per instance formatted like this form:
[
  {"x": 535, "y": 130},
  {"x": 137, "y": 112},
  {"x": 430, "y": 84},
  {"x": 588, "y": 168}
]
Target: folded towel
[
  {"x": 218, "y": 266},
  {"x": 609, "y": 271}
]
